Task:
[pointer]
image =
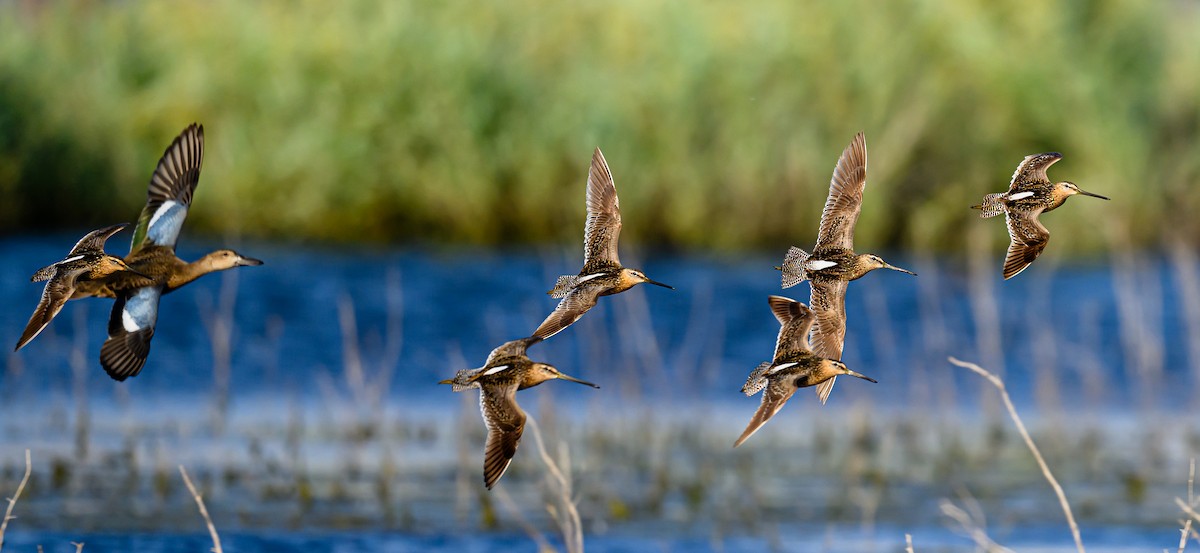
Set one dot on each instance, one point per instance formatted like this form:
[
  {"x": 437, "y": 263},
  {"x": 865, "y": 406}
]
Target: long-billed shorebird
[
  {"x": 1030, "y": 194},
  {"x": 506, "y": 370},
  {"x": 794, "y": 366},
  {"x": 87, "y": 263},
  {"x": 833, "y": 263},
  {"x": 602, "y": 273},
  {"x": 152, "y": 253}
]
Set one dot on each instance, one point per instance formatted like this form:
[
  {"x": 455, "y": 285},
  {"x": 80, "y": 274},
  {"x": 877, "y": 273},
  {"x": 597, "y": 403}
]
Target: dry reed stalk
[
  {"x": 908, "y": 546},
  {"x": 212, "y": 530},
  {"x": 972, "y": 527},
  {"x": 12, "y": 501},
  {"x": 985, "y": 311},
  {"x": 568, "y": 518},
  {"x": 78, "y": 546},
  {"x": 218, "y": 322},
  {"x": 1012, "y": 411},
  {"x": 509, "y": 505}
]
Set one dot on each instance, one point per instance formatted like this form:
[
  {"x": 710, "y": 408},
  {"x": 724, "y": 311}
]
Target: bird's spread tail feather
[
  {"x": 992, "y": 205},
  {"x": 757, "y": 379},
  {"x": 563, "y": 286},
  {"x": 793, "y": 267}
]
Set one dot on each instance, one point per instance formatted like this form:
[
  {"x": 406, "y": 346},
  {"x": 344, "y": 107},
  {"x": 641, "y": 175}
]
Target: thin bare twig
[
  {"x": 569, "y": 522},
  {"x": 1183, "y": 535},
  {"x": 12, "y": 501},
  {"x": 908, "y": 548},
  {"x": 1188, "y": 509},
  {"x": 78, "y": 546},
  {"x": 212, "y": 530},
  {"x": 1012, "y": 411}
]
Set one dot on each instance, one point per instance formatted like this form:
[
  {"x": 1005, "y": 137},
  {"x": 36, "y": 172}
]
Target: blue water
[{"x": 1061, "y": 338}]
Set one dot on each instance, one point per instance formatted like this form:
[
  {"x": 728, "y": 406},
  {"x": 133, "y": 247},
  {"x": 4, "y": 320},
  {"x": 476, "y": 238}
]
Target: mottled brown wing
[
  {"x": 829, "y": 327},
  {"x": 604, "y": 216},
  {"x": 515, "y": 348},
  {"x": 1033, "y": 170},
  {"x": 795, "y": 320},
  {"x": 54, "y": 296},
  {"x": 774, "y": 396},
  {"x": 1028, "y": 238},
  {"x": 845, "y": 197},
  {"x": 505, "y": 422},
  {"x": 94, "y": 241},
  {"x": 569, "y": 310}
]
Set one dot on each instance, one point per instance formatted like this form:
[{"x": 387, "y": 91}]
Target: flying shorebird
[
  {"x": 833, "y": 263},
  {"x": 794, "y": 366},
  {"x": 602, "y": 273},
  {"x": 506, "y": 370},
  {"x": 1030, "y": 194},
  {"x": 86, "y": 263},
  {"x": 152, "y": 253}
]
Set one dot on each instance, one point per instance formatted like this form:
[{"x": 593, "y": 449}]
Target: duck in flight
[
  {"x": 794, "y": 365},
  {"x": 87, "y": 263},
  {"x": 602, "y": 273},
  {"x": 152, "y": 255},
  {"x": 833, "y": 263},
  {"x": 1030, "y": 194},
  {"x": 506, "y": 371}
]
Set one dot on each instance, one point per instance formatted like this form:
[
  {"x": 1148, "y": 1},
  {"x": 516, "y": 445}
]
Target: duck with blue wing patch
[{"x": 152, "y": 255}]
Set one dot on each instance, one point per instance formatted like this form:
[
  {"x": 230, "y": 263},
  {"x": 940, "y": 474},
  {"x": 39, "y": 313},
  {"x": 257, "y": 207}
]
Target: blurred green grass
[{"x": 473, "y": 122}]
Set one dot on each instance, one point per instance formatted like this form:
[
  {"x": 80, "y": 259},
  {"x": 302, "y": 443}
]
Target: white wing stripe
[
  {"x": 819, "y": 264},
  {"x": 495, "y": 370},
  {"x": 778, "y": 368},
  {"x": 1020, "y": 195}
]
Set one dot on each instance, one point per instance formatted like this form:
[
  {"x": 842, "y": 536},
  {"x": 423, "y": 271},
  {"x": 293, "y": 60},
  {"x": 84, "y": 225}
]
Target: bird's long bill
[
  {"x": 862, "y": 376},
  {"x": 446, "y": 381},
  {"x": 657, "y": 283},
  {"x": 895, "y": 268},
  {"x": 250, "y": 261},
  {"x": 1093, "y": 195},
  {"x": 577, "y": 381}
]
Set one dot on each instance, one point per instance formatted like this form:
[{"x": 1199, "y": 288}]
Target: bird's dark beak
[
  {"x": 895, "y": 268},
  {"x": 447, "y": 381},
  {"x": 248, "y": 261},
  {"x": 657, "y": 283},
  {"x": 576, "y": 380},
  {"x": 862, "y": 376},
  {"x": 1092, "y": 195}
]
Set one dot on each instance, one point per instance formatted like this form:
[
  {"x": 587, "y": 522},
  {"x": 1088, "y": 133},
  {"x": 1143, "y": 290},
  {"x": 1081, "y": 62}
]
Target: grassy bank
[{"x": 468, "y": 122}]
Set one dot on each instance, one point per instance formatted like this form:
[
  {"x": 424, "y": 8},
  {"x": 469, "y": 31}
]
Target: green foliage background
[{"x": 473, "y": 122}]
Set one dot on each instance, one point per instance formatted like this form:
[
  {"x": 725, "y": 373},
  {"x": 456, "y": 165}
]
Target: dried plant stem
[
  {"x": 212, "y": 530},
  {"x": 509, "y": 505},
  {"x": 12, "y": 501},
  {"x": 569, "y": 521},
  {"x": 908, "y": 547},
  {"x": 78, "y": 546},
  {"x": 1012, "y": 411},
  {"x": 1183, "y": 535}
]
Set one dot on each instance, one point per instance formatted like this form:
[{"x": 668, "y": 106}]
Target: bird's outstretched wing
[
  {"x": 774, "y": 396},
  {"x": 54, "y": 296},
  {"x": 829, "y": 327},
  {"x": 170, "y": 192},
  {"x": 1033, "y": 170},
  {"x": 94, "y": 241},
  {"x": 604, "y": 217},
  {"x": 1027, "y": 240},
  {"x": 795, "y": 320},
  {"x": 505, "y": 423},
  {"x": 569, "y": 310},
  {"x": 130, "y": 328},
  {"x": 515, "y": 348},
  {"x": 845, "y": 197}
]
